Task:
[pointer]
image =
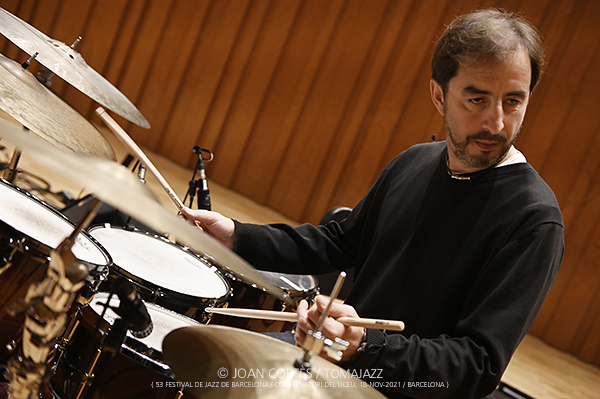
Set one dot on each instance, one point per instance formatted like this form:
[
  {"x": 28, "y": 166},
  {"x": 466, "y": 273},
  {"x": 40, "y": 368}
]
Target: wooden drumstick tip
[{"x": 137, "y": 151}]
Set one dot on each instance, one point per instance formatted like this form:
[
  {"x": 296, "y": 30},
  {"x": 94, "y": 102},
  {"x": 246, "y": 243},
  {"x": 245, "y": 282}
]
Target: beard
[{"x": 482, "y": 161}]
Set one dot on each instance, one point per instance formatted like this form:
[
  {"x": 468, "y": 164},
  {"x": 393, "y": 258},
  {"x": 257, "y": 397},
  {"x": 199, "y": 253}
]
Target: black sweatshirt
[{"x": 466, "y": 264}]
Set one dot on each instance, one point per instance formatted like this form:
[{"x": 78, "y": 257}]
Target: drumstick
[
  {"x": 133, "y": 147},
  {"x": 379, "y": 324}
]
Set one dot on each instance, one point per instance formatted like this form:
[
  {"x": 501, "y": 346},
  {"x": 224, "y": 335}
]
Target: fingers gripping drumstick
[{"x": 133, "y": 147}]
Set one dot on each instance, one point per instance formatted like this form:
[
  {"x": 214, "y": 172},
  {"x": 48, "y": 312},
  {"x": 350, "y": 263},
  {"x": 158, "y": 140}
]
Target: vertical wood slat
[
  {"x": 202, "y": 76},
  {"x": 164, "y": 80},
  {"x": 252, "y": 90},
  {"x": 334, "y": 168},
  {"x": 324, "y": 107},
  {"x": 304, "y": 102},
  {"x": 285, "y": 99},
  {"x": 414, "y": 43}
]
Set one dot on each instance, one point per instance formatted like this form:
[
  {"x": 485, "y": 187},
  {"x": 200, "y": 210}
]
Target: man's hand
[
  {"x": 308, "y": 319},
  {"x": 213, "y": 224}
]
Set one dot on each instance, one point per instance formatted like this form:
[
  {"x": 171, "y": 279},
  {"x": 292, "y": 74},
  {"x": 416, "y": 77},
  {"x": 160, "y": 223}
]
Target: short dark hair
[{"x": 485, "y": 36}]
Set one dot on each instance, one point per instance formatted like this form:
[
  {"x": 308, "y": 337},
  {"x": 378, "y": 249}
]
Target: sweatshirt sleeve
[{"x": 497, "y": 314}]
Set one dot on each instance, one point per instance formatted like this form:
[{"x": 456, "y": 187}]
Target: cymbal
[
  {"x": 251, "y": 365},
  {"x": 37, "y": 108},
  {"x": 69, "y": 65},
  {"x": 115, "y": 185}
]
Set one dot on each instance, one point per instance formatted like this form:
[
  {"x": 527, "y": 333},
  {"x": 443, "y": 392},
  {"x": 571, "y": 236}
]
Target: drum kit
[{"x": 114, "y": 311}]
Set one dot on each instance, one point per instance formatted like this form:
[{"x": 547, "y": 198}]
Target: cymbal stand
[
  {"x": 10, "y": 173},
  {"x": 45, "y": 307},
  {"x": 316, "y": 341}
]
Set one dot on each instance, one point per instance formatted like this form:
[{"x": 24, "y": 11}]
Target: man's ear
[{"x": 437, "y": 95}]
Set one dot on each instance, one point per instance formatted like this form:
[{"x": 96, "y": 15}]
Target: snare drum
[
  {"x": 163, "y": 272},
  {"x": 29, "y": 230},
  {"x": 136, "y": 372},
  {"x": 297, "y": 286}
]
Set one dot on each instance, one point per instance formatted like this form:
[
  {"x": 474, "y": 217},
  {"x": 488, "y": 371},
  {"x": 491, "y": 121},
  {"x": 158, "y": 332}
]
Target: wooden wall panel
[{"x": 303, "y": 102}]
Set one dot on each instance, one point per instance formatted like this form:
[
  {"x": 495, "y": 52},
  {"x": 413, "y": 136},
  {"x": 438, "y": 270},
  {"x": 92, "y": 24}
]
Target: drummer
[{"x": 459, "y": 239}]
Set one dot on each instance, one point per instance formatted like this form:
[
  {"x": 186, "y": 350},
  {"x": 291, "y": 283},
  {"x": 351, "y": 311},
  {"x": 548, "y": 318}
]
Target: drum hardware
[
  {"x": 134, "y": 318},
  {"x": 10, "y": 173},
  {"x": 68, "y": 63},
  {"x": 26, "y": 64},
  {"x": 135, "y": 364},
  {"x": 316, "y": 341},
  {"x": 142, "y": 173},
  {"x": 45, "y": 307}
]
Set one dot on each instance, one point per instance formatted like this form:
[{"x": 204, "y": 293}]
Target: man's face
[{"x": 483, "y": 110}]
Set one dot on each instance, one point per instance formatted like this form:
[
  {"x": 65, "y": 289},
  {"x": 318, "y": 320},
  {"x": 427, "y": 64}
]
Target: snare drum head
[
  {"x": 163, "y": 320},
  {"x": 160, "y": 262},
  {"x": 37, "y": 220}
]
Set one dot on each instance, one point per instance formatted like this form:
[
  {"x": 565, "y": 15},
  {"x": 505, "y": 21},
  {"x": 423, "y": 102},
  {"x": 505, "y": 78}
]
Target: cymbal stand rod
[
  {"x": 26, "y": 64},
  {"x": 10, "y": 173},
  {"x": 315, "y": 340},
  {"x": 142, "y": 172},
  {"x": 76, "y": 42}
]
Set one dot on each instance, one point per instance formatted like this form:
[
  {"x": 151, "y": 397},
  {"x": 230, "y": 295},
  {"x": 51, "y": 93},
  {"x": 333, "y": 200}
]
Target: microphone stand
[{"x": 200, "y": 186}]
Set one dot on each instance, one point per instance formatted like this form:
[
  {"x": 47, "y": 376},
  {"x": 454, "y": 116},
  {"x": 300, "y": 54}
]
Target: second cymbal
[{"x": 45, "y": 114}]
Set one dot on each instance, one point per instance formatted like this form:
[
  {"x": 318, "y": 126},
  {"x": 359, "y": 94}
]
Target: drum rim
[
  {"x": 166, "y": 293},
  {"x": 42, "y": 250},
  {"x": 290, "y": 292}
]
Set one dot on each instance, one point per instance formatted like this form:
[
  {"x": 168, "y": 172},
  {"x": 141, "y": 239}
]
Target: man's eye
[{"x": 477, "y": 100}]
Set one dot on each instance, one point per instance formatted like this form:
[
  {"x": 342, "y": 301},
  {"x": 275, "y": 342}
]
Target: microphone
[
  {"x": 132, "y": 309},
  {"x": 202, "y": 183}
]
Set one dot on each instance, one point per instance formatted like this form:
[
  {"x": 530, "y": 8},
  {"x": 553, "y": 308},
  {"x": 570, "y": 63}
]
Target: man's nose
[{"x": 493, "y": 120}]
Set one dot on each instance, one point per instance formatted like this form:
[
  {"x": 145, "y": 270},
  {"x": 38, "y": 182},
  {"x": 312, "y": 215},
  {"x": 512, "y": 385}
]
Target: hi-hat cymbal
[
  {"x": 69, "y": 65},
  {"x": 37, "y": 108},
  {"x": 115, "y": 185},
  {"x": 224, "y": 362}
]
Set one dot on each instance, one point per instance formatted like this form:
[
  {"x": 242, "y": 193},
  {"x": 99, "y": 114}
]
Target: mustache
[{"x": 487, "y": 136}]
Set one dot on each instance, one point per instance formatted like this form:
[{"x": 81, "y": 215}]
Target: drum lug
[
  {"x": 157, "y": 294},
  {"x": 87, "y": 378},
  {"x": 61, "y": 343},
  {"x": 11, "y": 346},
  {"x": 7, "y": 260}
]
